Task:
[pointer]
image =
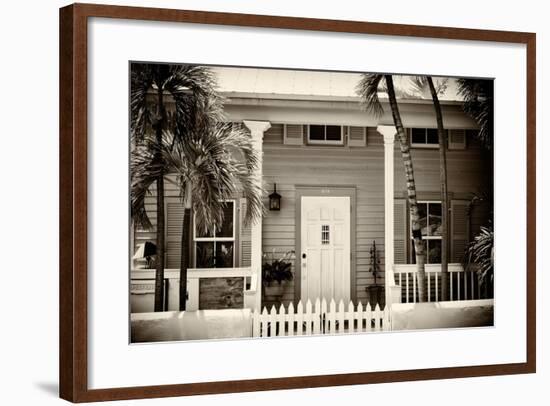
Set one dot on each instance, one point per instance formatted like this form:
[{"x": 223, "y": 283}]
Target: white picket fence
[{"x": 319, "y": 319}]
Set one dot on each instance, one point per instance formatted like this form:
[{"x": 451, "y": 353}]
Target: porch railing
[
  {"x": 142, "y": 277},
  {"x": 463, "y": 283},
  {"x": 319, "y": 318}
]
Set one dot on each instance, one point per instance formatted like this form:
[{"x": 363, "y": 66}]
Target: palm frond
[
  {"x": 478, "y": 103},
  {"x": 141, "y": 77},
  {"x": 368, "y": 88},
  {"x": 480, "y": 253},
  {"x": 216, "y": 163},
  {"x": 144, "y": 170}
]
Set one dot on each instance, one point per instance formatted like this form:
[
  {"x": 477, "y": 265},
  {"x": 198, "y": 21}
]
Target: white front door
[{"x": 325, "y": 244}]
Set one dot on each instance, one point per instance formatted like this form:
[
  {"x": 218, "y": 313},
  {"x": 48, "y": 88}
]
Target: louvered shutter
[
  {"x": 456, "y": 139},
  {"x": 245, "y": 237},
  {"x": 357, "y": 136},
  {"x": 459, "y": 229},
  {"x": 400, "y": 234},
  {"x": 294, "y": 134},
  {"x": 174, "y": 219}
]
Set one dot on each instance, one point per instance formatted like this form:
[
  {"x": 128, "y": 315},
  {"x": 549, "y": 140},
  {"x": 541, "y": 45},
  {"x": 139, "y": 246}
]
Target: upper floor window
[
  {"x": 424, "y": 138},
  {"x": 217, "y": 250},
  {"x": 325, "y": 134}
]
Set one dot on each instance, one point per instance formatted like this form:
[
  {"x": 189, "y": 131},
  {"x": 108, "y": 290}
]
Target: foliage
[
  {"x": 212, "y": 163},
  {"x": 191, "y": 90},
  {"x": 277, "y": 269},
  {"x": 368, "y": 88},
  {"x": 478, "y": 97},
  {"x": 374, "y": 261},
  {"x": 481, "y": 253}
]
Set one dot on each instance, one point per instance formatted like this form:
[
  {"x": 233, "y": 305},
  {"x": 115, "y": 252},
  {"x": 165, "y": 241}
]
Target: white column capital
[
  {"x": 257, "y": 128},
  {"x": 388, "y": 132}
]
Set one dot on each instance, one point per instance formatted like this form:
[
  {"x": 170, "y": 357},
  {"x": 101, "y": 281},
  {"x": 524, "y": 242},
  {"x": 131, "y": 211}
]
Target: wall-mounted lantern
[{"x": 274, "y": 200}]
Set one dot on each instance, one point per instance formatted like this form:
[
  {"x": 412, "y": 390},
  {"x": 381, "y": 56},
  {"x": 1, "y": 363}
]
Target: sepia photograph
[{"x": 277, "y": 203}]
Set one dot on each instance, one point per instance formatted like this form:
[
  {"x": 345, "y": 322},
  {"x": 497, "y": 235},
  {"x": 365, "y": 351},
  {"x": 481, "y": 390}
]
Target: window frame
[
  {"x": 325, "y": 141},
  {"x": 424, "y": 145},
  {"x": 215, "y": 239},
  {"x": 427, "y": 237}
]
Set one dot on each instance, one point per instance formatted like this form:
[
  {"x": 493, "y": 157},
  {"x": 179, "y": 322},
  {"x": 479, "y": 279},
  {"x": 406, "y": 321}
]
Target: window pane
[
  {"x": 224, "y": 254},
  {"x": 205, "y": 255},
  {"x": 418, "y": 136},
  {"x": 434, "y": 219},
  {"x": 226, "y": 230},
  {"x": 334, "y": 133},
  {"x": 203, "y": 233},
  {"x": 434, "y": 251},
  {"x": 422, "y": 214},
  {"x": 433, "y": 137},
  {"x": 413, "y": 251},
  {"x": 317, "y": 132}
]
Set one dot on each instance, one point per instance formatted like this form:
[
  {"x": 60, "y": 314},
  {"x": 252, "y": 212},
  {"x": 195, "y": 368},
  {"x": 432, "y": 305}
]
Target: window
[
  {"x": 424, "y": 138},
  {"x": 217, "y": 250},
  {"x": 325, "y": 235},
  {"x": 325, "y": 134},
  {"x": 430, "y": 223}
]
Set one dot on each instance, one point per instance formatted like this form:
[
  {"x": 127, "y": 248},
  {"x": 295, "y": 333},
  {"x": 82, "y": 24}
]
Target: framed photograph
[{"x": 254, "y": 202}]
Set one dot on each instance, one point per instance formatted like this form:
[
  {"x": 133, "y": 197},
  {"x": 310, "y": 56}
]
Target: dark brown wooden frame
[{"x": 73, "y": 201}]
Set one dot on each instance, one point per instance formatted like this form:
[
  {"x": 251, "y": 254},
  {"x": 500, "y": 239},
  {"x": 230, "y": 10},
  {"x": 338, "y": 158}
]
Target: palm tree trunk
[
  {"x": 411, "y": 191},
  {"x": 159, "y": 275},
  {"x": 444, "y": 195},
  {"x": 184, "y": 252}
]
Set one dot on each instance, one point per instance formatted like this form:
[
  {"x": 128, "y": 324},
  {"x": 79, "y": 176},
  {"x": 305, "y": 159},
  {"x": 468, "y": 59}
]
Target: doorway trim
[{"x": 325, "y": 190}]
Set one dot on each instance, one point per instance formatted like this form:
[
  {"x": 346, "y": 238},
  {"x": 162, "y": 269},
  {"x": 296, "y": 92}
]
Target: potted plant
[
  {"x": 276, "y": 272},
  {"x": 375, "y": 290}
]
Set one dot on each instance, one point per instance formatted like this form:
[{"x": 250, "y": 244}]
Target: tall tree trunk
[
  {"x": 159, "y": 275},
  {"x": 184, "y": 251},
  {"x": 442, "y": 136},
  {"x": 411, "y": 191}
]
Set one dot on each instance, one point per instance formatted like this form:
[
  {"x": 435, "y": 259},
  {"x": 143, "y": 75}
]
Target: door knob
[{"x": 303, "y": 255}]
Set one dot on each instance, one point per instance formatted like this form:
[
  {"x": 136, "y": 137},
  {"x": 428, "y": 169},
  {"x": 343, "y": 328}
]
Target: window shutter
[
  {"x": 245, "y": 237},
  {"x": 357, "y": 136},
  {"x": 456, "y": 139},
  {"x": 294, "y": 134},
  {"x": 400, "y": 231},
  {"x": 459, "y": 229},
  {"x": 174, "y": 219}
]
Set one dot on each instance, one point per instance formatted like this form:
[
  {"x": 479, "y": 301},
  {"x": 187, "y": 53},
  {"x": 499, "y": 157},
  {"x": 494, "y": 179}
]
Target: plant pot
[
  {"x": 275, "y": 289},
  {"x": 375, "y": 295}
]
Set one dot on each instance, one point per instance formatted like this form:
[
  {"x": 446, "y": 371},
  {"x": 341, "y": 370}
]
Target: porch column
[
  {"x": 257, "y": 129},
  {"x": 388, "y": 132}
]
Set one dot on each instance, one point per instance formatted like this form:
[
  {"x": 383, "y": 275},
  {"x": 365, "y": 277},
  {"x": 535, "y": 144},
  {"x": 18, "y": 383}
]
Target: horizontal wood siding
[
  {"x": 307, "y": 165},
  {"x": 360, "y": 167}
]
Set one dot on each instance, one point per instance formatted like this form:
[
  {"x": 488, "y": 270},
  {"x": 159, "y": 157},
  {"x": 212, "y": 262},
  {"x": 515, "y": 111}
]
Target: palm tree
[
  {"x": 154, "y": 89},
  {"x": 368, "y": 88},
  {"x": 213, "y": 165},
  {"x": 424, "y": 87},
  {"x": 442, "y": 137}
]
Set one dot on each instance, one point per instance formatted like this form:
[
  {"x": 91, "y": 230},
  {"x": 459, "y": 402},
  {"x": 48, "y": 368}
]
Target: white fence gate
[{"x": 319, "y": 319}]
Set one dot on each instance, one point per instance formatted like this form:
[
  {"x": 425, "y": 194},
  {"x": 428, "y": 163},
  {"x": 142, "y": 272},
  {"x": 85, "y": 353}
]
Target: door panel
[{"x": 325, "y": 242}]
